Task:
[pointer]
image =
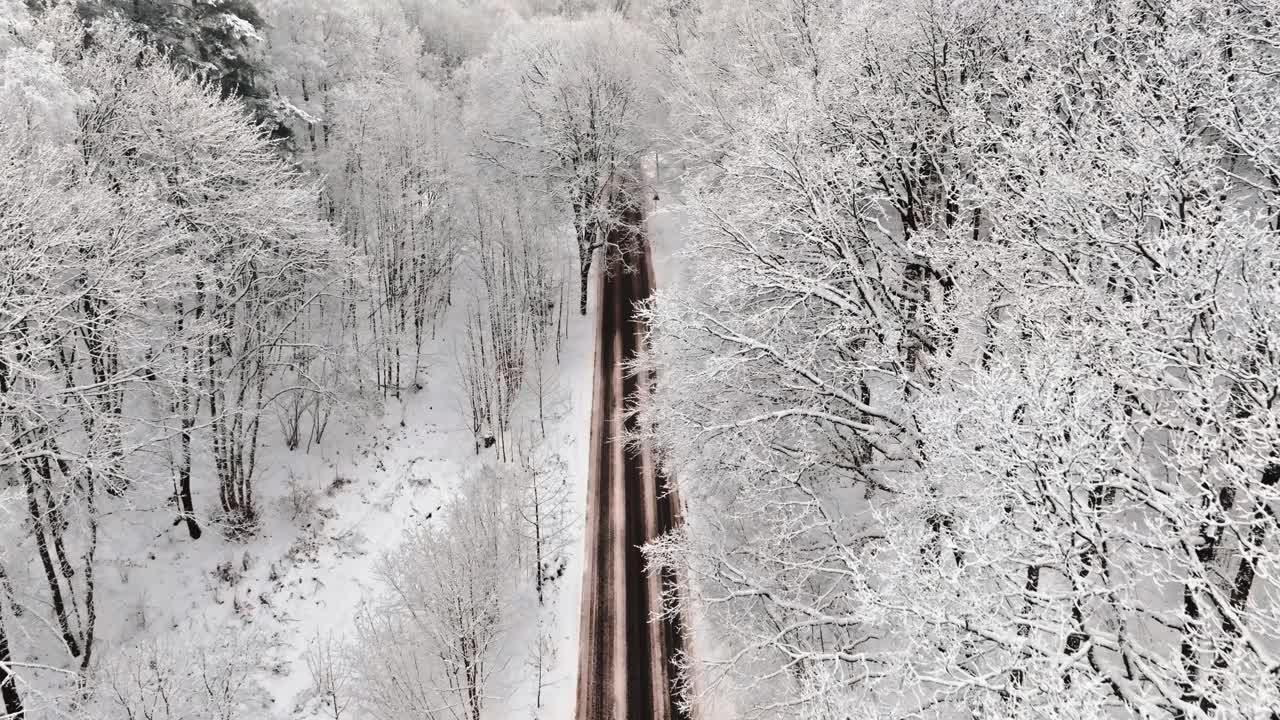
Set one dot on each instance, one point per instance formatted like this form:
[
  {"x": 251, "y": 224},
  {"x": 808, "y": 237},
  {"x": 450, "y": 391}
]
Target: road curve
[{"x": 625, "y": 670}]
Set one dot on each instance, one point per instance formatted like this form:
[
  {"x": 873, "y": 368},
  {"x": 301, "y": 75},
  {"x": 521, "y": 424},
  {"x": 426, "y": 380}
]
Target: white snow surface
[
  {"x": 297, "y": 578},
  {"x": 374, "y": 477},
  {"x": 667, "y": 220}
]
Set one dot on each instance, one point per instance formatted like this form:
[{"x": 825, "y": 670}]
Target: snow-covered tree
[
  {"x": 329, "y": 665},
  {"x": 435, "y": 640},
  {"x": 44, "y": 227},
  {"x": 245, "y": 255},
  {"x": 219, "y": 40},
  {"x": 564, "y": 103},
  {"x": 454, "y": 31},
  {"x": 544, "y": 510},
  {"x": 175, "y": 678},
  {"x": 971, "y": 397},
  {"x": 502, "y": 353},
  {"x": 368, "y": 116},
  {"x": 157, "y": 254}
]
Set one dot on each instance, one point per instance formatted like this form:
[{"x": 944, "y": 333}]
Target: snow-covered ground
[
  {"x": 305, "y": 574},
  {"x": 667, "y": 235},
  {"x": 327, "y": 515}
]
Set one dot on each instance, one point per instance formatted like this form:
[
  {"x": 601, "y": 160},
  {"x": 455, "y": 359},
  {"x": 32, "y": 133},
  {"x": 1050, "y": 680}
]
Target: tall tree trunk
[
  {"x": 90, "y": 609},
  {"x": 51, "y": 575},
  {"x": 1206, "y": 550},
  {"x": 186, "y": 507},
  {"x": 186, "y": 417},
  {"x": 586, "y": 248},
  {"x": 537, "y": 539},
  {"x": 585, "y": 270},
  {"x": 1242, "y": 585},
  {"x": 8, "y": 686}
]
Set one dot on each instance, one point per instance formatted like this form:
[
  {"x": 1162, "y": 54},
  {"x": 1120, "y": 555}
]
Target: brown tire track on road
[{"x": 626, "y": 666}]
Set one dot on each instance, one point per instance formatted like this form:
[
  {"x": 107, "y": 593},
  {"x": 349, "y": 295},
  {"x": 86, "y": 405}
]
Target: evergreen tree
[{"x": 220, "y": 40}]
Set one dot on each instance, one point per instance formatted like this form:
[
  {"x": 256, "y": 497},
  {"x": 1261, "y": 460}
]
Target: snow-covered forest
[{"x": 964, "y": 357}]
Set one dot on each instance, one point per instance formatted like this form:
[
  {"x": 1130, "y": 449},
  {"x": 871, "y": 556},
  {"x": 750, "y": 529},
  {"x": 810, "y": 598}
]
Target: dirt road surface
[{"x": 625, "y": 670}]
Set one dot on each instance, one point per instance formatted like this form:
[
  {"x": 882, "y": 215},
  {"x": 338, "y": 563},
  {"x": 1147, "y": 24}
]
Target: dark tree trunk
[
  {"x": 8, "y": 687},
  {"x": 181, "y": 405},
  {"x": 586, "y": 274},
  {"x": 185, "y": 505},
  {"x": 1031, "y": 587},
  {"x": 1206, "y": 550},
  {"x": 584, "y": 229},
  {"x": 537, "y": 540},
  {"x": 1242, "y": 585},
  {"x": 51, "y": 575},
  {"x": 90, "y": 609}
]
